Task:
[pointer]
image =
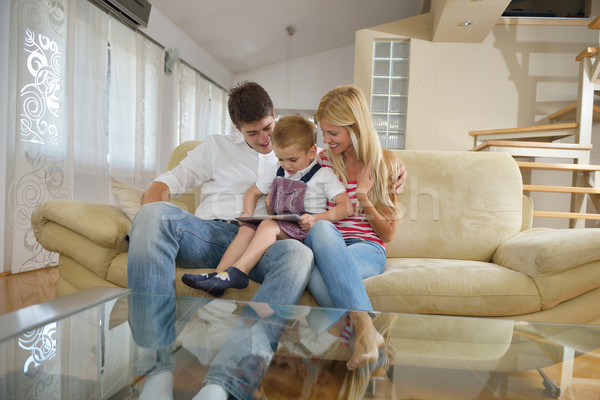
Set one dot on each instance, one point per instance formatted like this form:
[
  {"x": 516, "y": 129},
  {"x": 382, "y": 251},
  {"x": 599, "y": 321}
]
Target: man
[{"x": 163, "y": 235}]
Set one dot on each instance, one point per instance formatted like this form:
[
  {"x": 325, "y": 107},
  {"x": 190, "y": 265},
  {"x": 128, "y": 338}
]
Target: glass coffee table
[{"x": 108, "y": 343}]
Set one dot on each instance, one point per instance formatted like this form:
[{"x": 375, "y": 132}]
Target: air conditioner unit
[{"x": 132, "y": 12}]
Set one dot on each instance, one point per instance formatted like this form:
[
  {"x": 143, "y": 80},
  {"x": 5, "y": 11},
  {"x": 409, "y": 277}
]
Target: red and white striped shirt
[{"x": 356, "y": 225}]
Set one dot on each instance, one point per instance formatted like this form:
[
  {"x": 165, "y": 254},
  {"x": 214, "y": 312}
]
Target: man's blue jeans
[{"x": 163, "y": 235}]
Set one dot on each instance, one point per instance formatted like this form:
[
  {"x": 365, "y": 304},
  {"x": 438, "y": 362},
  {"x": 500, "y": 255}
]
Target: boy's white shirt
[
  {"x": 226, "y": 167},
  {"x": 323, "y": 186}
]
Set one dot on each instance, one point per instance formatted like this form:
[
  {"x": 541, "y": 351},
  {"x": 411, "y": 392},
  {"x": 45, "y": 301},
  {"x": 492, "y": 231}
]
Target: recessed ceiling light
[{"x": 466, "y": 23}]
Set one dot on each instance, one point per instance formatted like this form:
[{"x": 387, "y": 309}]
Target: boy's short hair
[
  {"x": 291, "y": 130},
  {"x": 248, "y": 102}
]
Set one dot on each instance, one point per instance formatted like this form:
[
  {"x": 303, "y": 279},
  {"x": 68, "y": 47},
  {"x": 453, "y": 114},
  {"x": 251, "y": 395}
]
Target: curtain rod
[
  {"x": 187, "y": 64},
  {"x": 212, "y": 81}
]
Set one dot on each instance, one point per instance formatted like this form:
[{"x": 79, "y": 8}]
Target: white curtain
[
  {"x": 202, "y": 106},
  {"x": 75, "y": 116},
  {"x": 135, "y": 86}
]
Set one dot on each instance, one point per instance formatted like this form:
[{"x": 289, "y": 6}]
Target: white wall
[
  {"x": 4, "y": 24},
  {"x": 311, "y": 77}
]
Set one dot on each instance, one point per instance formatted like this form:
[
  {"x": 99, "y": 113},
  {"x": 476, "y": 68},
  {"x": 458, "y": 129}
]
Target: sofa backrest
[{"x": 457, "y": 204}]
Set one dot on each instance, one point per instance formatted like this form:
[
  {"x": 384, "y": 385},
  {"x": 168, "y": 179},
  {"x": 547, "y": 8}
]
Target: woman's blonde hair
[{"x": 346, "y": 106}]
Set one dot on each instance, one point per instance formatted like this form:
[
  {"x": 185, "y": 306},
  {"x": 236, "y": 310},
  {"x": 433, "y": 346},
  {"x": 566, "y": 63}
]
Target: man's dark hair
[{"x": 248, "y": 102}]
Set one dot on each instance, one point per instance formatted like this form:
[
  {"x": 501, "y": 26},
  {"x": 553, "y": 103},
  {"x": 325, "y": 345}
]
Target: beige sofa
[{"x": 465, "y": 246}]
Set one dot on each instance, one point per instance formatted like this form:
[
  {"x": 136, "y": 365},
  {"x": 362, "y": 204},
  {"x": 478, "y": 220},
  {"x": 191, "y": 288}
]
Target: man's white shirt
[{"x": 226, "y": 167}]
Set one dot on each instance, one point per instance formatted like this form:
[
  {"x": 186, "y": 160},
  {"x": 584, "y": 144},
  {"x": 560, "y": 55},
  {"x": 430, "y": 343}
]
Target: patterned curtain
[{"x": 68, "y": 128}]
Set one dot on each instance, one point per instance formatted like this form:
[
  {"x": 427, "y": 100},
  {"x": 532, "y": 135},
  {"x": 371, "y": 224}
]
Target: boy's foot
[
  {"x": 230, "y": 278},
  {"x": 192, "y": 279}
]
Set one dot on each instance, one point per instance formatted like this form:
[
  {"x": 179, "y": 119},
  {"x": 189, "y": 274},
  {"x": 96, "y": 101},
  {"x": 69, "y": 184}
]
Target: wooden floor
[{"x": 27, "y": 288}]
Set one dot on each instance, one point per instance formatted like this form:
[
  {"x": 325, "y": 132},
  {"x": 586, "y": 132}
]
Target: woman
[{"x": 353, "y": 249}]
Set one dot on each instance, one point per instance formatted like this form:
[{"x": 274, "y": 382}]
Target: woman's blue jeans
[{"x": 341, "y": 265}]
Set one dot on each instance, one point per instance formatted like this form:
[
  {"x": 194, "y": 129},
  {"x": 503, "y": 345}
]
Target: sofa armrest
[
  {"x": 540, "y": 252},
  {"x": 103, "y": 224}
]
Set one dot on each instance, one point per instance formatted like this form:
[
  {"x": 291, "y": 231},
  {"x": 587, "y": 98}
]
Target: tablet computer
[{"x": 280, "y": 217}]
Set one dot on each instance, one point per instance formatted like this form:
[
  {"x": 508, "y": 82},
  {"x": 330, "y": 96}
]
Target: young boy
[{"x": 298, "y": 186}]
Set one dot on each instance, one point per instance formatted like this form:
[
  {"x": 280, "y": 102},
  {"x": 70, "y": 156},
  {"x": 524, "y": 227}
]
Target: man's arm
[{"x": 157, "y": 191}]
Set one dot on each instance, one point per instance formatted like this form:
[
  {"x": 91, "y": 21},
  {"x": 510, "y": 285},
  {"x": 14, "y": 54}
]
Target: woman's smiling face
[{"x": 337, "y": 138}]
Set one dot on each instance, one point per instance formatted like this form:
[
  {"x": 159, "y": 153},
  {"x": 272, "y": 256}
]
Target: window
[{"x": 389, "y": 93}]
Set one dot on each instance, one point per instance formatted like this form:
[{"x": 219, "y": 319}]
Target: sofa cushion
[
  {"x": 457, "y": 205},
  {"x": 452, "y": 287}
]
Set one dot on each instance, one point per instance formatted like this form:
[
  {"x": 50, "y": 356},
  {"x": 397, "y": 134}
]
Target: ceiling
[{"x": 247, "y": 34}]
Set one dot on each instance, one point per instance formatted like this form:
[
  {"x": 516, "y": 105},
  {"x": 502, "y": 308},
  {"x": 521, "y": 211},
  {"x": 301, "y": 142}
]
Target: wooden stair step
[
  {"x": 533, "y": 128},
  {"x": 570, "y": 215},
  {"x": 558, "y": 166},
  {"x": 569, "y": 112},
  {"x": 538, "y": 145},
  {"x": 560, "y": 189},
  {"x": 547, "y": 132}
]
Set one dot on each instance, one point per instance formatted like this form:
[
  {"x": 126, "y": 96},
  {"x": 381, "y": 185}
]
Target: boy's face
[
  {"x": 293, "y": 159},
  {"x": 258, "y": 134}
]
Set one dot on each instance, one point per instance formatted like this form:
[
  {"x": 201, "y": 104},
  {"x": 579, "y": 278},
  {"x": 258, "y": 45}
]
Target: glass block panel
[
  {"x": 379, "y": 104},
  {"x": 397, "y": 122},
  {"x": 382, "y": 49},
  {"x": 381, "y": 68},
  {"x": 389, "y": 91},
  {"x": 399, "y": 86},
  {"x": 381, "y": 86},
  {"x": 381, "y": 122},
  {"x": 397, "y": 105},
  {"x": 400, "y": 68},
  {"x": 395, "y": 141},
  {"x": 400, "y": 49}
]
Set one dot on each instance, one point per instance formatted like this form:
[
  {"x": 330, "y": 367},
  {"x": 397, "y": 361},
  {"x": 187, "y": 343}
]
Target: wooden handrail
[
  {"x": 595, "y": 24},
  {"x": 587, "y": 53}
]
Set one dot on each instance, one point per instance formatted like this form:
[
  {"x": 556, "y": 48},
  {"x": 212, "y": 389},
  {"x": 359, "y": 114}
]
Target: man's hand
[{"x": 157, "y": 191}]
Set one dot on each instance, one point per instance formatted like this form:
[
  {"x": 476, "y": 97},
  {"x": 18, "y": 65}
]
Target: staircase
[{"x": 526, "y": 144}]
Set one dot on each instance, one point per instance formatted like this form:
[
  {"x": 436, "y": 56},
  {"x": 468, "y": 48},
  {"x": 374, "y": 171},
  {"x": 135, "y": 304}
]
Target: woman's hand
[
  {"x": 307, "y": 221},
  {"x": 398, "y": 177},
  {"x": 364, "y": 180}
]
